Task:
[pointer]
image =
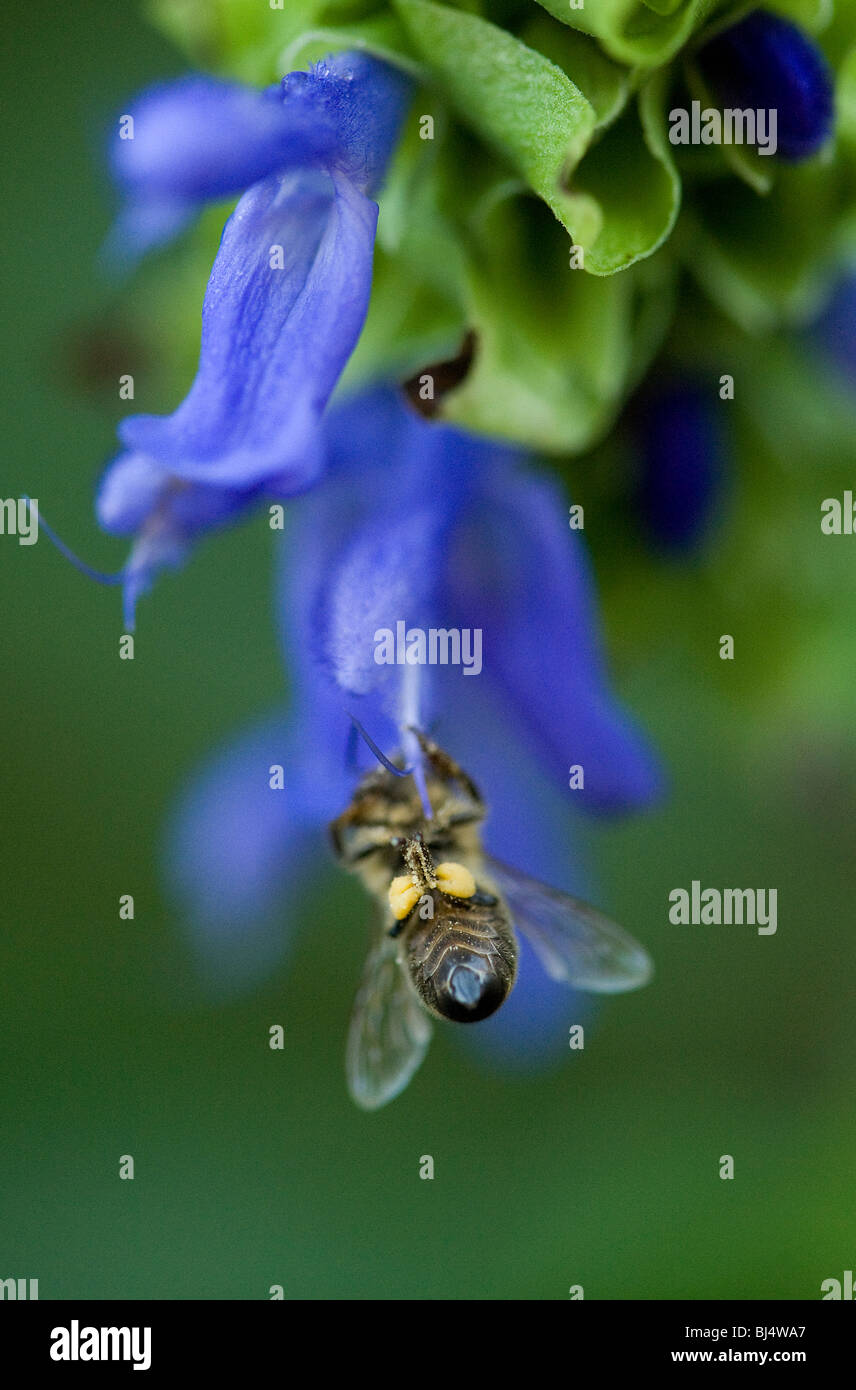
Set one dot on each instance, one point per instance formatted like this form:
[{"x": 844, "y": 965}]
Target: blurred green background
[{"x": 253, "y": 1167}]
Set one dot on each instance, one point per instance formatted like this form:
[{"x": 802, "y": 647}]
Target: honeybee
[{"x": 447, "y": 946}]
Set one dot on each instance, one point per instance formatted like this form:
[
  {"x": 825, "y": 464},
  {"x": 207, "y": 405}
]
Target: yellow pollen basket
[
  {"x": 403, "y": 896},
  {"x": 452, "y": 879},
  {"x": 455, "y": 880}
]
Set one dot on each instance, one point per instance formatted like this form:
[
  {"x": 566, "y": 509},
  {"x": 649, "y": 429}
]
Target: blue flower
[
  {"x": 682, "y": 466},
  {"x": 416, "y": 522},
  {"x": 199, "y": 139},
  {"x": 767, "y": 63},
  {"x": 287, "y": 296}
]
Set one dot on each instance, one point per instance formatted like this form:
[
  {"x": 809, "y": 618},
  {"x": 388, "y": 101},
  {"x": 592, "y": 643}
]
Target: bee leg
[{"x": 397, "y": 928}]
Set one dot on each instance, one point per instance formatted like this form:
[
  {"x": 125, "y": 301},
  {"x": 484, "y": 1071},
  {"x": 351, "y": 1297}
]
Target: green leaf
[
  {"x": 813, "y": 15},
  {"x": 663, "y": 7},
  {"x": 798, "y": 403},
  {"x": 556, "y": 350},
  {"x": 602, "y": 82},
  {"x": 633, "y": 32},
  {"x": 757, "y": 170},
  {"x": 410, "y": 324},
  {"x": 240, "y": 37},
  {"x": 519, "y": 102},
  {"x": 631, "y": 176},
  {"x": 381, "y": 35},
  {"x": 846, "y": 98},
  {"x": 766, "y": 260},
  {"x": 418, "y": 310},
  {"x": 250, "y": 40}
]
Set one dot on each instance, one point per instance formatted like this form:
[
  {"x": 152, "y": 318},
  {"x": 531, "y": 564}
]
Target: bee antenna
[{"x": 379, "y": 754}]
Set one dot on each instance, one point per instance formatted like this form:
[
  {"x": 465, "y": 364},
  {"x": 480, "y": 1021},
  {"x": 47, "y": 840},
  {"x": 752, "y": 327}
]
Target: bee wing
[
  {"x": 574, "y": 942},
  {"x": 389, "y": 1032}
]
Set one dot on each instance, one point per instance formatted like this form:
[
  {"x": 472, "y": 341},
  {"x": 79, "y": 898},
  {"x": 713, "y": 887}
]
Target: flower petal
[
  {"x": 157, "y": 548},
  {"x": 362, "y": 101},
  {"x": 522, "y": 576},
  {"x": 383, "y": 578},
  {"x": 449, "y": 530},
  {"x": 284, "y": 308},
  {"x": 128, "y": 492},
  {"x": 135, "y": 492},
  {"x": 142, "y": 225},
  {"x": 363, "y": 431},
  {"x": 136, "y": 497},
  {"x": 200, "y": 138},
  {"x": 385, "y": 517},
  {"x": 530, "y": 1031},
  {"x": 196, "y": 139},
  {"x": 475, "y": 730},
  {"x": 237, "y": 852}
]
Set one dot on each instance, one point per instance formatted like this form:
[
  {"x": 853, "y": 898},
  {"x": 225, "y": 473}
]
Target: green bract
[{"x": 536, "y": 201}]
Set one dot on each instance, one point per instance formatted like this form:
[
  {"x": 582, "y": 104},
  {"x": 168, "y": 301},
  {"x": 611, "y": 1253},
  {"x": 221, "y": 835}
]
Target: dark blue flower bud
[
  {"x": 767, "y": 63},
  {"x": 680, "y": 446}
]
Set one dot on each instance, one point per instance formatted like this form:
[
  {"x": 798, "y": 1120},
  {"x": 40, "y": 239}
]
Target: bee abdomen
[
  {"x": 463, "y": 970},
  {"x": 453, "y": 936}
]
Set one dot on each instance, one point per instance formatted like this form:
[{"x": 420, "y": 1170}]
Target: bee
[{"x": 447, "y": 947}]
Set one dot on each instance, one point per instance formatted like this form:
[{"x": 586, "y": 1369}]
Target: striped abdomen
[{"x": 463, "y": 960}]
